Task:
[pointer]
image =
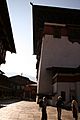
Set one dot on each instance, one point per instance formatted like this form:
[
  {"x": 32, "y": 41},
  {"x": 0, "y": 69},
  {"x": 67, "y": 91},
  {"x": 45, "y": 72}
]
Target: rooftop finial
[{"x": 31, "y": 3}]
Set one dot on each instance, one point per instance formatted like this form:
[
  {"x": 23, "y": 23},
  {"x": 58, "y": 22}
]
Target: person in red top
[{"x": 74, "y": 108}]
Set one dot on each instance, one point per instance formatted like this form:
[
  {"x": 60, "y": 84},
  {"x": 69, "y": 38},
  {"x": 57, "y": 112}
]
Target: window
[
  {"x": 63, "y": 95},
  {"x": 72, "y": 93},
  {"x": 74, "y": 34},
  {"x": 57, "y": 32}
]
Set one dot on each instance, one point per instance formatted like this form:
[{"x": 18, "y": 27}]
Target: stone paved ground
[{"x": 24, "y": 110}]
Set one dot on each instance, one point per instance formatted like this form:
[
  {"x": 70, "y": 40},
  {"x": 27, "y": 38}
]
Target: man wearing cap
[
  {"x": 59, "y": 105},
  {"x": 44, "y": 112}
]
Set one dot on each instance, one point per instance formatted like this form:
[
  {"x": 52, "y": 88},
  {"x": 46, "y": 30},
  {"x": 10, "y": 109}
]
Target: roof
[
  {"x": 21, "y": 80},
  {"x": 6, "y": 34},
  {"x": 43, "y": 14},
  {"x": 34, "y": 85},
  {"x": 1, "y": 72},
  {"x": 3, "y": 76}
]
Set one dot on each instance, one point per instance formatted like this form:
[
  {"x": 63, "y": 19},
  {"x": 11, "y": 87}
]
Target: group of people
[
  {"x": 59, "y": 104},
  {"x": 74, "y": 106}
]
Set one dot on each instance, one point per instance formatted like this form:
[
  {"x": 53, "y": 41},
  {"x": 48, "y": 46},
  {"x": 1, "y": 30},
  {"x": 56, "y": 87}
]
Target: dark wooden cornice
[{"x": 42, "y": 14}]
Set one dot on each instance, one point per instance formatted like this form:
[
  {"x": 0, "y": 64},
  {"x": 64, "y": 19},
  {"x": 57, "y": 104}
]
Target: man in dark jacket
[
  {"x": 59, "y": 105},
  {"x": 44, "y": 105}
]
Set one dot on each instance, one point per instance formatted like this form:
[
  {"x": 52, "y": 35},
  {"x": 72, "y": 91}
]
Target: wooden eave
[
  {"x": 64, "y": 70},
  {"x": 6, "y": 34},
  {"x": 19, "y": 80},
  {"x": 42, "y": 14},
  {"x": 1, "y": 72}
]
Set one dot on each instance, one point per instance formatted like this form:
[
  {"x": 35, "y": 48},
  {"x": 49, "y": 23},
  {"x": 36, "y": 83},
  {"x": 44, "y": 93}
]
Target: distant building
[
  {"x": 56, "y": 44},
  {"x": 23, "y": 87},
  {"x": 5, "y": 90},
  {"x": 6, "y": 36}
]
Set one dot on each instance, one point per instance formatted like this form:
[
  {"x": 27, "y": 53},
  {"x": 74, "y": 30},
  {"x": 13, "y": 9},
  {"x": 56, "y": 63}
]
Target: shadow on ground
[{"x": 4, "y": 103}]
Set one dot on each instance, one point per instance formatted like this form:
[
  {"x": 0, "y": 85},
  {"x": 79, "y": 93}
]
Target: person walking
[
  {"x": 44, "y": 112},
  {"x": 74, "y": 108},
  {"x": 59, "y": 105}
]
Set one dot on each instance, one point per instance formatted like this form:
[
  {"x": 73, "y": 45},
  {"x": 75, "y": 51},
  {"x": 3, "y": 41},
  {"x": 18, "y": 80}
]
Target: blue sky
[{"x": 20, "y": 12}]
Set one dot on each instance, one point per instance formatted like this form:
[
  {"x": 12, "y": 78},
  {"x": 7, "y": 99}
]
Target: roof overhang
[
  {"x": 65, "y": 74},
  {"x": 64, "y": 70},
  {"x": 45, "y": 94},
  {"x": 6, "y": 34},
  {"x": 42, "y": 14}
]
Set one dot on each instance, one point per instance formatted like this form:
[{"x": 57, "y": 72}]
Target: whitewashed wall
[
  {"x": 66, "y": 86},
  {"x": 59, "y": 53}
]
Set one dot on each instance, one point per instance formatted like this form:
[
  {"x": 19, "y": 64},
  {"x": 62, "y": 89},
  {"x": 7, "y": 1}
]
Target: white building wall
[
  {"x": 66, "y": 87},
  {"x": 59, "y": 53},
  {"x": 55, "y": 87},
  {"x": 78, "y": 91},
  {"x": 44, "y": 79}
]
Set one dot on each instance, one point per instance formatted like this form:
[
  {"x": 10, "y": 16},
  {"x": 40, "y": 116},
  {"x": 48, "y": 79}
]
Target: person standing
[
  {"x": 59, "y": 105},
  {"x": 74, "y": 108},
  {"x": 44, "y": 112}
]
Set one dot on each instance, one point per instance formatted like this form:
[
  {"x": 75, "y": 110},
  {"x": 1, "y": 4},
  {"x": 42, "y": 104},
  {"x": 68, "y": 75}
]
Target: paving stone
[{"x": 25, "y": 110}]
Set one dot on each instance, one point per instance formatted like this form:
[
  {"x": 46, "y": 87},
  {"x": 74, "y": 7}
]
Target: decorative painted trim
[
  {"x": 55, "y": 24},
  {"x": 66, "y": 78}
]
